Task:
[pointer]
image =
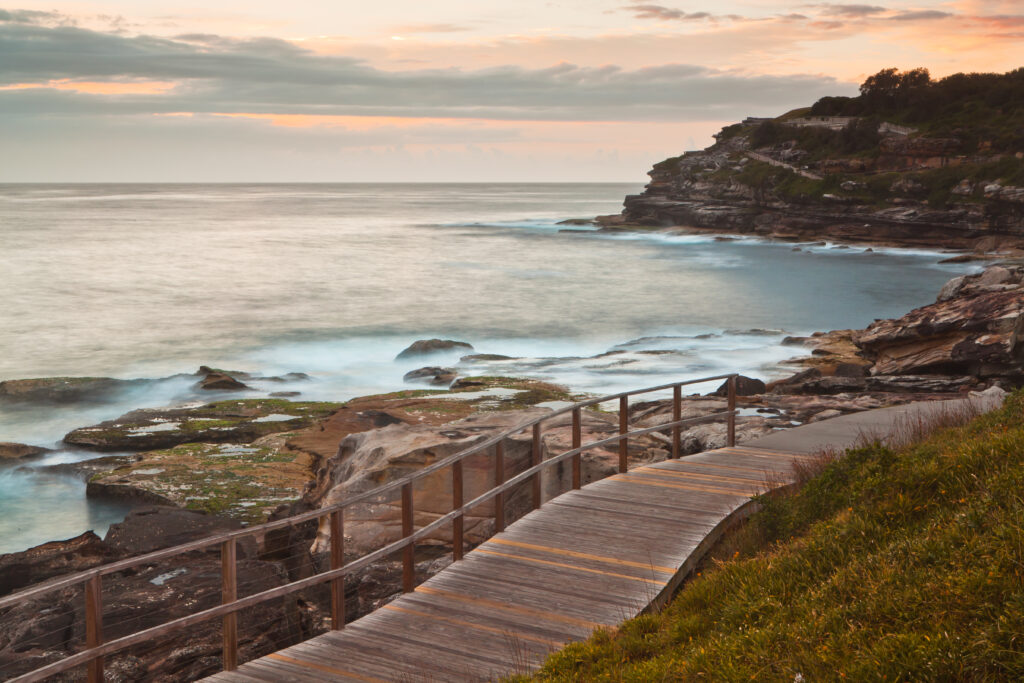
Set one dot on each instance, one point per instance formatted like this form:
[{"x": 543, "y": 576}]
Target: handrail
[{"x": 96, "y": 650}]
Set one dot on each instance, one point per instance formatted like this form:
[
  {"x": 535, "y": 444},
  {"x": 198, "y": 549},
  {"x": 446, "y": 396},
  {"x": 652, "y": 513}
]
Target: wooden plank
[
  {"x": 547, "y": 606},
  {"x": 479, "y": 616},
  {"x": 690, "y": 478},
  {"x": 545, "y": 579},
  {"x": 603, "y": 559},
  {"x": 693, "y": 471}
]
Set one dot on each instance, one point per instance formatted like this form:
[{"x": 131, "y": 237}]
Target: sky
[{"x": 445, "y": 90}]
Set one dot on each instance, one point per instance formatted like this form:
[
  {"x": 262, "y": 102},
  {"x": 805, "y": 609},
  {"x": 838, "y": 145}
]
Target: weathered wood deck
[{"x": 589, "y": 558}]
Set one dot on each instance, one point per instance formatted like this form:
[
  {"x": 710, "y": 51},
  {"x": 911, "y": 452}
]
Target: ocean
[{"x": 134, "y": 281}]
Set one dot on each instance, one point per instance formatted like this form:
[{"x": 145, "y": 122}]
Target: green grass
[{"x": 900, "y": 564}]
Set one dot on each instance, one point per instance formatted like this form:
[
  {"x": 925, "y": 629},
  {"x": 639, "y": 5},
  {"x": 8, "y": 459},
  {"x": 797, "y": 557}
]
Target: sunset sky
[{"x": 445, "y": 90}]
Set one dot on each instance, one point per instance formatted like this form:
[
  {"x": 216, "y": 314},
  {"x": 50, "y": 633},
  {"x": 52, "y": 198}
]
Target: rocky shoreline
[
  {"x": 763, "y": 177},
  {"x": 220, "y": 465}
]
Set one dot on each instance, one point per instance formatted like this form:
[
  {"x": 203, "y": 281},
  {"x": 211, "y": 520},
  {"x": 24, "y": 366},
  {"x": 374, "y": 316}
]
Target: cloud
[
  {"x": 429, "y": 28},
  {"x": 28, "y": 16},
  {"x": 662, "y": 13},
  {"x": 920, "y": 15},
  {"x": 852, "y": 11},
  {"x": 217, "y": 74}
]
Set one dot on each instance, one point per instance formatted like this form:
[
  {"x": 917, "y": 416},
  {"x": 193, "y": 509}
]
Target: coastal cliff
[{"x": 908, "y": 162}]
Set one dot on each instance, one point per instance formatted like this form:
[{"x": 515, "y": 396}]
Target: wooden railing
[{"x": 333, "y": 516}]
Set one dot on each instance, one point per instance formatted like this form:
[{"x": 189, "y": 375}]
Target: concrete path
[{"x": 849, "y": 431}]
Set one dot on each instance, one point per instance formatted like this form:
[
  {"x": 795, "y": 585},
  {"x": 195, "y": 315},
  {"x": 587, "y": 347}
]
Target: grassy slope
[{"x": 905, "y": 565}]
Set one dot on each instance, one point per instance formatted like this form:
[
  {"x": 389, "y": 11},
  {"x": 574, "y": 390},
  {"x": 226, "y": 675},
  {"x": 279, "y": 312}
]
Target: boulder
[
  {"x": 220, "y": 381},
  {"x": 15, "y": 451},
  {"x": 431, "y": 375},
  {"x": 745, "y": 386},
  {"x": 424, "y": 347}
]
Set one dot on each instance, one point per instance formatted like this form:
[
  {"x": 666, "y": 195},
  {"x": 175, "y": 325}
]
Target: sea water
[{"x": 136, "y": 281}]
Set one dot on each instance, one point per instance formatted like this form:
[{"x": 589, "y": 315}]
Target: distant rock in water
[
  {"x": 482, "y": 357},
  {"x": 221, "y": 381},
  {"x": 48, "y": 390},
  {"x": 423, "y": 347},
  {"x": 432, "y": 374},
  {"x": 15, "y": 451}
]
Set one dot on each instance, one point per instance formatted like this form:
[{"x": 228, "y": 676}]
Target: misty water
[{"x": 134, "y": 281}]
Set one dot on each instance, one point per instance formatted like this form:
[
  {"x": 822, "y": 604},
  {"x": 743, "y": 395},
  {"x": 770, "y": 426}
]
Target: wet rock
[
  {"x": 220, "y": 381},
  {"x": 57, "y": 390},
  {"x": 232, "y": 421},
  {"x": 424, "y": 347},
  {"x": 16, "y": 451},
  {"x": 285, "y": 394},
  {"x": 431, "y": 375},
  {"x": 479, "y": 357},
  {"x": 243, "y": 482}
]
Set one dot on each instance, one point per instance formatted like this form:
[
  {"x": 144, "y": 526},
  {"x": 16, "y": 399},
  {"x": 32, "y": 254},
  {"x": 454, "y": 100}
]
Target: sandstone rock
[
  {"x": 431, "y": 375},
  {"x": 825, "y": 415},
  {"x": 920, "y": 384},
  {"x": 428, "y": 346},
  {"x": 15, "y": 451},
  {"x": 951, "y": 289},
  {"x": 968, "y": 335}
]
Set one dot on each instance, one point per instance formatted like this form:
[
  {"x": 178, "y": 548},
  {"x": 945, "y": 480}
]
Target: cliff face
[{"x": 899, "y": 188}]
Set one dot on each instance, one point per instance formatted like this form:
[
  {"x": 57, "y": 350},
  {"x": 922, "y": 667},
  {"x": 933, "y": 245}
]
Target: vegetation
[
  {"x": 976, "y": 108},
  {"x": 903, "y": 564}
]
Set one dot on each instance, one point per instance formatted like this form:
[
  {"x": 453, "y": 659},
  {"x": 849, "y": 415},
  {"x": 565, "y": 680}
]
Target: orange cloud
[{"x": 98, "y": 87}]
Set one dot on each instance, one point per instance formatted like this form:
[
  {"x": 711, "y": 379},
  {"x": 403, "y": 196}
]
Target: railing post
[
  {"x": 677, "y": 413},
  {"x": 731, "y": 439},
  {"x": 499, "y": 479},
  {"x": 408, "y": 566},
  {"x": 337, "y": 562},
  {"x": 458, "y": 522},
  {"x": 229, "y": 593},
  {"x": 534, "y": 461},
  {"x": 577, "y": 461},
  {"x": 94, "y": 624},
  {"x": 623, "y": 429}
]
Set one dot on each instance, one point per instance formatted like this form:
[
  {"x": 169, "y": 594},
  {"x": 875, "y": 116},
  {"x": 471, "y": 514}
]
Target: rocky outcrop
[
  {"x": 975, "y": 329},
  {"x": 56, "y": 390},
  {"x": 16, "y": 451},
  {"x": 239, "y": 421},
  {"x": 431, "y": 375},
  {"x": 728, "y": 188},
  {"x": 425, "y": 347}
]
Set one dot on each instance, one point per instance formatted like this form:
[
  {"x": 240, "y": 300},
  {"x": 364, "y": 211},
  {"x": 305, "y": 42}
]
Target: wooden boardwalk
[{"x": 587, "y": 559}]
